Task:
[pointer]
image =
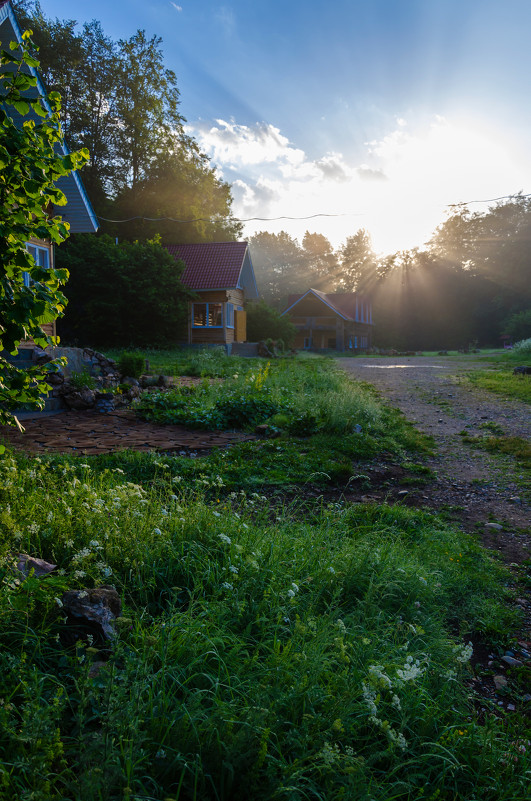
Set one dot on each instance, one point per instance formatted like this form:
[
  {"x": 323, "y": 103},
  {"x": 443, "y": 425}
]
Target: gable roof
[
  {"x": 78, "y": 211},
  {"x": 342, "y": 303},
  {"x": 216, "y": 265}
]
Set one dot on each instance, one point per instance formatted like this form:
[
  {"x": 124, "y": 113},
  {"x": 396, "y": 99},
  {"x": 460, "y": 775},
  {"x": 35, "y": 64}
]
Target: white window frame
[
  {"x": 41, "y": 256},
  {"x": 206, "y": 304}
]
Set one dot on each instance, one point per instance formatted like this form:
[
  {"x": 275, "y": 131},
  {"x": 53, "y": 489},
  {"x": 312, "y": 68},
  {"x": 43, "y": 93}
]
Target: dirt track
[{"x": 480, "y": 487}]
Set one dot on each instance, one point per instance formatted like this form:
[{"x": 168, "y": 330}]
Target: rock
[
  {"x": 522, "y": 370},
  {"x": 510, "y": 660},
  {"x": 40, "y": 356},
  {"x": 494, "y": 526},
  {"x": 92, "y": 611},
  {"x": 500, "y": 682},
  {"x": 80, "y": 399},
  {"x": 55, "y": 379},
  {"x": 131, "y": 381},
  {"x": 25, "y": 564}
]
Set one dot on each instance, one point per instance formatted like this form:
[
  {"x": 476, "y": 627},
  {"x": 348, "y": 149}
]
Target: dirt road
[{"x": 479, "y": 488}]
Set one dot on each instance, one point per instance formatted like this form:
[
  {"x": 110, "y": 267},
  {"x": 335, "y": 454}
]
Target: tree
[
  {"x": 265, "y": 322},
  {"x": 322, "y": 262},
  {"x": 280, "y": 266},
  {"x": 121, "y": 295},
  {"x": 122, "y": 103},
  {"x": 358, "y": 263},
  {"x": 30, "y": 163}
]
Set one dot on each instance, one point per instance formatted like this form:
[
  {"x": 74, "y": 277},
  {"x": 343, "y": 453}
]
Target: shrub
[
  {"x": 82, "y": 380},
  {"x": 523, "y": 348},
  {"x": 131, "y": 364},
  {"x": 264, "y": 322}
]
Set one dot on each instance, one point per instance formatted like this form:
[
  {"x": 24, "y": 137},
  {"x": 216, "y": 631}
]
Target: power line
[
  {"x": 286, "y": 217},
  {"x": 489, "y": 200},
  {"x": 232, "y": 219}
]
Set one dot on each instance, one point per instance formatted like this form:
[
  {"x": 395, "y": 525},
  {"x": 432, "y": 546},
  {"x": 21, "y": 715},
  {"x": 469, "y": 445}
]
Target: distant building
[
  {"x": 222, "y": 276},
  {"x": 339, "y": 321}
]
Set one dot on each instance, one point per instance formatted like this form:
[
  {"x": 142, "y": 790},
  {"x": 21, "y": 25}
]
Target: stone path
[{"x": 90, "y": 433}]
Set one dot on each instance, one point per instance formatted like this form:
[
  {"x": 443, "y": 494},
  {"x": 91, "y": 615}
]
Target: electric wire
[{"x": 286, "y": 217}]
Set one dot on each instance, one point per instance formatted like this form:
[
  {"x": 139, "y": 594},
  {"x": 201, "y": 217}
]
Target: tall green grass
[{"x": 264, "y": 652}]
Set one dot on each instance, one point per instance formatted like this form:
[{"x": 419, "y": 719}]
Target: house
[
  {"x": 221, "y": 275},
  {"x": 339, "y": 321},
  {"x": 78, "y": 211}
]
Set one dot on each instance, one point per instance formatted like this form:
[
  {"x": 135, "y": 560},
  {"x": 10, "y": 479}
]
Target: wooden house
[
  {"x": 78, "y": 210},
  {"x": 222, "y": 277},
  {"x": 340, "y": 321}
]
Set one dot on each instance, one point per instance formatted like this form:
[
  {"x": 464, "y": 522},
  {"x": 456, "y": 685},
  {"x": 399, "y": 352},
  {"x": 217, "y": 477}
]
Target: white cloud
[
  {"x": 398, "y": 189},
  {"x": 227, "y": 142},
  {"x": 176, "y": 7}
]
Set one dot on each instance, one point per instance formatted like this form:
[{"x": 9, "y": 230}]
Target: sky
[{"x": 379, "y": 113}]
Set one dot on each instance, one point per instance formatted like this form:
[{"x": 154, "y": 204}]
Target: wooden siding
[
  {"x": 240, "y": 325},
  {"x": 217, "y": 335}
]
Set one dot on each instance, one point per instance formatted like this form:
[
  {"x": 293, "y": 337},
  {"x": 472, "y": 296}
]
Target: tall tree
[
  {"x": 147, "y": 107},
  {"x": 322, "y": 262},
  {"x": 122, "y": 103},
  {"x": 358, "y": 263},
  {"x": 280, "y": 265}
]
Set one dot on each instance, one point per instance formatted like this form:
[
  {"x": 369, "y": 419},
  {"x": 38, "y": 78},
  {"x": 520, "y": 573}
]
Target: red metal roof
[{"x": 214, "y": 265}]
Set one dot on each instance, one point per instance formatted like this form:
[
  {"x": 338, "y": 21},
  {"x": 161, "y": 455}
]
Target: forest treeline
[{"x": 470, "y": 282}]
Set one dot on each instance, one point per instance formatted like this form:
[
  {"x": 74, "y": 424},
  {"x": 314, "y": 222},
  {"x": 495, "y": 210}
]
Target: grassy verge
[
  {"x": 263, "y": 652},
  {"x": 503, "y": 382}
]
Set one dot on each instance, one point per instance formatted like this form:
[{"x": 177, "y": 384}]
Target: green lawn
[{"x": 267, "y": 649}]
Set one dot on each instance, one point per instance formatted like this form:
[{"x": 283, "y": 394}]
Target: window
[
  {"x": 229, "y": 311},
  {"x": 41, "y": 257},
  {"x": 207, "y": 315}
]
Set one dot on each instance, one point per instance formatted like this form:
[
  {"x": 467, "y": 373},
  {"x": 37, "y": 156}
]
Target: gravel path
[{"x": 482, "y": 488}]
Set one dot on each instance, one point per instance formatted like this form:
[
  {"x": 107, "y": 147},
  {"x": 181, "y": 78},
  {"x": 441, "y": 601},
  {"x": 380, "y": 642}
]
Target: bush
[
  {"x": 82, "y": 380},
  {"x": 523, "y": 348},
  {"x": 264, "y": 322},
  {"x": 131, "y": 364}
]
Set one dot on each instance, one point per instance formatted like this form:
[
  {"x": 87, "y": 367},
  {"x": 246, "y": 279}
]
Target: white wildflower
[
  {"x": 227, "y": 586},
  {"x": 463, "y": 652},
  {"x": 224, "y": 538}
]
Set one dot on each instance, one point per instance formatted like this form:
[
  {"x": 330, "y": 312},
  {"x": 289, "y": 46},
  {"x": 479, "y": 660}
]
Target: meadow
[{"x": 272, "y": 645}]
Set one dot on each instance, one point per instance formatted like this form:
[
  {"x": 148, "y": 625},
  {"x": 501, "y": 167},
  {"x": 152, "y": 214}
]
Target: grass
[
  {"x": 502, "y": 382},
  {"x": 267, "y": 649},
  {"x": 259, "y": 653}
]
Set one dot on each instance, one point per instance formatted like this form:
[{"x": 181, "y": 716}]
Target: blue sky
[{"x": 382, "y": 111}]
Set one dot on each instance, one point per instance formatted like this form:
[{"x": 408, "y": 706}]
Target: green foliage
[
  {"x": 131, "y": 364},
  {"x": 261, "y": 648},
  {"x": 265, "y": 322},
  {"x": 125, "y": 294},
  {"x": 82, "y": 380},
  {"x": 518, "y": 326},
  {"x": 122, "y": 103},
  {"x": 522, "y": 348},
  {"x": 30, "y": 137}
]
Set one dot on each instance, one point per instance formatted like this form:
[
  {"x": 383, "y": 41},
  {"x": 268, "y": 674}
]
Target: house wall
[
  {"x": 49, "y": 329},
  {"x": 210, "y": 336}
]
